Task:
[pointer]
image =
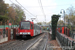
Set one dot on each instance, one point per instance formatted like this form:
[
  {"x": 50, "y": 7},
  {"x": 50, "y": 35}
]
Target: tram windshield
[{"x": 25, "y": 25}]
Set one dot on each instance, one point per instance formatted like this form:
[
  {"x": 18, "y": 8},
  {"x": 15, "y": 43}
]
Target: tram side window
[
  {"x": 31, "y": 26},
  {"x": 34, "y": 26}
]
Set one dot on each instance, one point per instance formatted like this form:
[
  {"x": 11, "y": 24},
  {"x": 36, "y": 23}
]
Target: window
[
  {"x": 25, "y": 25},
  {"x": 31, "y": 26}
]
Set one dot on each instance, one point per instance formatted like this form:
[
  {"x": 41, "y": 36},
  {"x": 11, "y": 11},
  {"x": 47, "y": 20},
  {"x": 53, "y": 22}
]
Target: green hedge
[{"x": 54, "y": 25}]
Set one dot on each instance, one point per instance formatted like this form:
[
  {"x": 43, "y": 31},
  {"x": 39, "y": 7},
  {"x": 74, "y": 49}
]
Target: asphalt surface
[
  {"x": 19, "y": 44},
  {"x": 41, "y": 43}
]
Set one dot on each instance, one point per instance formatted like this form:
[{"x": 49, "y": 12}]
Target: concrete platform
[{"x": 3, "y": 39}]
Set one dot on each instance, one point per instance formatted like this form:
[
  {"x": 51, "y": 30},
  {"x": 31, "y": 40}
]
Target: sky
[{"x": 50, "y": 7}]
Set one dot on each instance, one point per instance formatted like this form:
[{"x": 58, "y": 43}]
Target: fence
[
  {"x": 3, "y": 35},
  {"x": 72, "y": 34},
  {"x": 12, "y": 26},
  {"x": 7, "y": 34},
  {"x": 65, "y": 41}
]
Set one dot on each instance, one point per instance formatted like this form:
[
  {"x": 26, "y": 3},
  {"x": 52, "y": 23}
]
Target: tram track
[
  {"x": 18, "y": 44},
  {"x": 37, "y": 42},
  {"x": 33, "y": 43}
]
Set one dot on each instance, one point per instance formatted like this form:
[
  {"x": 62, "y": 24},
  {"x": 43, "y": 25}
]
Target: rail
[
  {"x": 45, "y": 43},
  {"x": 33, "y": 44},
  {"x": 44, "y": 47}
]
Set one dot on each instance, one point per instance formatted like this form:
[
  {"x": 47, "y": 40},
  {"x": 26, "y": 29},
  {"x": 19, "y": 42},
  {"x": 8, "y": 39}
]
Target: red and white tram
[{"x": 28, "y": 28}]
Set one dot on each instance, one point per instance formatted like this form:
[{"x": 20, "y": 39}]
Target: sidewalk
[
  {"x": 3, "y": 39},
  {"x": 52, "y": 44}
]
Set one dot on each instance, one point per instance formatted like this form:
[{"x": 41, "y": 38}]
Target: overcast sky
[{"x": 50, "y": 7}]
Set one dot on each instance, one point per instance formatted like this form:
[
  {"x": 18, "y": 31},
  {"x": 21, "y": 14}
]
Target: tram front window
[{"x": 25, "y": 25}]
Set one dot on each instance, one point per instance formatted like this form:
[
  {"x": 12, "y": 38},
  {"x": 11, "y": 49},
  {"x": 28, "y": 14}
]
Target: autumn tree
[
  {"x": 39, "y": 23},
  {"x": 12, "y": 14},
  {"x": 19, "y": 13},
  {"x": 60, "y": 22},
  {"x": 48, "y": 23},
  {"x": 3, "y": 12},
  {"x": 70, "y": 16}
]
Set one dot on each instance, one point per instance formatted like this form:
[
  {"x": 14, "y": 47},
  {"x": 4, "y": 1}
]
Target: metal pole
[
  {"x": 64, "y": 20},
  {"x": 64, "y": 17},
  {"x": 68, "y": 22},
  {"x": 13, "y": 23}
]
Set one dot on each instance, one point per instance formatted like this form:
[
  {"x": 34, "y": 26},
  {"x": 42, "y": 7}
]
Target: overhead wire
[
  {"x": 49, "y": 6},
  {"x": 38, "y": 6},
  {"x": 24, "y": 8},
  {"x": 42, "y": 10}
]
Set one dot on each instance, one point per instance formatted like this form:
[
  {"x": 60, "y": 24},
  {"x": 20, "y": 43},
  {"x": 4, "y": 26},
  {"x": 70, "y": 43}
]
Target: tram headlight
[
  {"x": 28, "y": 32},
  {"x": 20, "y": 32}
]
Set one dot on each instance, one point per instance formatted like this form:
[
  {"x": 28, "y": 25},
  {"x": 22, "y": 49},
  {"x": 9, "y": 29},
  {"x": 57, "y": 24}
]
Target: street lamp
[
  {"x": 64, "y": 17},
  {"x": 64, "y": 14},
  {"x": 33, "y": 19}
]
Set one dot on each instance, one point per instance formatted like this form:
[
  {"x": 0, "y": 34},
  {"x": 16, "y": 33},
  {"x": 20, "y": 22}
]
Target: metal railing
[
  {"x": 65, "y": 42},
  {"x": 72, "y": 34},
  {"x": 12, "y": 26}
]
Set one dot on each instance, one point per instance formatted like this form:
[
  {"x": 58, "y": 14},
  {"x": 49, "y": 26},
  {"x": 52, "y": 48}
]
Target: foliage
[
  {"x": 19, "y": 13},
  {"x": 3, "y": 8},
  {"x": 49, "y": 23},
  {"x": 70, "y": 16},
  {"x": 39, "y": 23},
  {"x": 3, "y": 12},
  {"x": 13, "y": 13},
  {"x": 44, "y": 28},
  {"x": 60, "y": 22},
  {"x": 2, "y": 17},
  {"x": 54, "y": 25}
]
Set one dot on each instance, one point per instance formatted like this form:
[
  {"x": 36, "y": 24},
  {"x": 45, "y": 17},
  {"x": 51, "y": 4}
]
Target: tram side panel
[{"x": 36, "y": 30}]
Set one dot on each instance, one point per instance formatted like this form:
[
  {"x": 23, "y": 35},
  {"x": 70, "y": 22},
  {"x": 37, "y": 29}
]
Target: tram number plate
[{"x": 24, "y": 33}]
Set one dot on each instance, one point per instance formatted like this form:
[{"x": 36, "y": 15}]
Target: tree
[
  {"x": 20, "y": 13},
  {"x": 70, "y": 15},
  {"x": 12, "y": 14},
  {"x": 49, "y": 23},
  {"x": 3, "y": 8},
  {"x": 60, "y": 22},
  {"x": 1, "y": 0},
  {"x": 39, "y": 23},
  {"x": 44, "y": 28},
  {"x": 3, "y": 19},
  {"x": 3, "y": 12}
]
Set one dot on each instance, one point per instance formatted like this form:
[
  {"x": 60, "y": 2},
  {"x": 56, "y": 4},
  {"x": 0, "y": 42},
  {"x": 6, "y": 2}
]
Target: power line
[
  {"x": 10, "y": 1},
  {"x": 24, "y": 8},
  {"x": 49, "y": 6},
  {"x": 42, "y": 9}
]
